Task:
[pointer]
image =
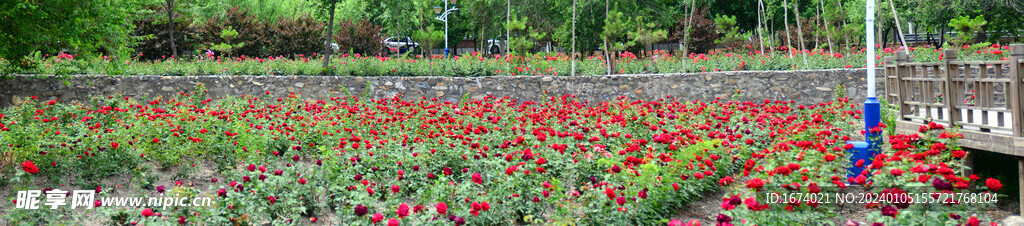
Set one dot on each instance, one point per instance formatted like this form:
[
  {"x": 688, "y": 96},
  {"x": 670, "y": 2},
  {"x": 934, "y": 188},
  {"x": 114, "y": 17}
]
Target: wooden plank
[
  {"x": 1020, "y": 182},
  {"x": 1014, "y": 89},
  {"x": 901, "y": 92},
  {"x": 950, "y": 90}
]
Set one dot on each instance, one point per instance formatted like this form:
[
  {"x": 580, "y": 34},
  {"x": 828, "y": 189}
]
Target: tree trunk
[
  {"x": 928, "y": 38},
  {"x": 170, "y": 22},
  {"x": 828, "y": 33},
  {"x": 800, "y": 31},
  {"x": 760, "y": 31},
  {"x": 981, "y": 36},
  {"x": 607, "y": 57},
  {"x": 942, "y": 38},
  {"x": 785, "y": 19},
  {"x": 885, "y": 35},
  {"x": 330, "y": 32},
  {"x": 799, "y": 28},
  {"x": 842, "y": 14},
  {"x": 686, "y": 34}
]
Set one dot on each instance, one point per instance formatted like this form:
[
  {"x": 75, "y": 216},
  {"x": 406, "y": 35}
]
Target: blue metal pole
[{"x": 866, "y": 150}]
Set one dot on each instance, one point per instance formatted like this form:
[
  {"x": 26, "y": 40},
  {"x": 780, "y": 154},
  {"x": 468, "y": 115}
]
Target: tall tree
[
  {"x": 329, "y": 33},
  {"x": 686, "y": 32},
  {"x": 82, "y": 26},
  {"x": 170, "y": 26}
]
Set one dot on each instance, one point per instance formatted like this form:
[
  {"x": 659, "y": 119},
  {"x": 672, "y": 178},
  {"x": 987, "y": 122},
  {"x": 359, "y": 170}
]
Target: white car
[{"x": 399, "y": 45}]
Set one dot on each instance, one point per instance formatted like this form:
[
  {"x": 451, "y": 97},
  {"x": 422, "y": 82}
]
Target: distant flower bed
[
  {"x": 476, "y": 64},
  {"x": 487, "y": 161}
]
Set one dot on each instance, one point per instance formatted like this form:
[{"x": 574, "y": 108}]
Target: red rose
[
  {"x": 29, "y": 167},
  {"x": 393, "y": 222},
  {"x": 896, "y": 172},
  {"x": 147, "y": 212},
  {"x": 973, "y": 221},
  {"x": 813, "y": 188},
  {"x": 830, "y": 157},
  {"x": 442, "y": 208},
  {"x": 477, "y": 178},
  {"x": 377, "y": 217},
  {"x": 403, "y": 210},
  {"x": 114, "y": 145},
  {"x": 755, "y": 184},
  {"x": 993, "y": 184}
]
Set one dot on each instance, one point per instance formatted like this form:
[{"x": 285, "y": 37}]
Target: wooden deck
[{"x": 985, "y": 99}]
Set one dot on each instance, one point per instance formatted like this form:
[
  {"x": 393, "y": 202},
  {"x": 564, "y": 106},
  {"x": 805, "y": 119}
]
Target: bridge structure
[{"x": 983, "y": 99}]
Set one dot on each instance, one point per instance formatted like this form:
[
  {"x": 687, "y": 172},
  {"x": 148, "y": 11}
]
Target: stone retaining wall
[{"x": 809, "y": 86}]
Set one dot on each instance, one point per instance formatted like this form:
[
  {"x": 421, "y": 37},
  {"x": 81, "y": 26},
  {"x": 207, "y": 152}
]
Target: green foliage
[
  {"x": 79, "y": 26},
  {"x": 472, "y": 65},
  {"x": 965, "y": 26},
  {"x": 702, "y": 31},
  {"x": 616, "y": 30},
  {"x": 428, "y": 39},
  {"x": 647, "y": 33},
  {"x": 250, "y": 30},
  {"x": 730, "y": 36},
  {"x": 523, "y": 36},
  {"x": 589, "y": 25},
  {"x": 228, "y": 46},
  {"x": 358, "y": 36}
]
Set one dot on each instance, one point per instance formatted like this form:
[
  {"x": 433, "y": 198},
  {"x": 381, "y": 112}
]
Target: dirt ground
[{"x": 706, "y": 210}]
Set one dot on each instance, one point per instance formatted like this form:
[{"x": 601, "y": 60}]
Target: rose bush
[
  {"x": 477, "y": 161},
  {"x": 477, "y": 64}
]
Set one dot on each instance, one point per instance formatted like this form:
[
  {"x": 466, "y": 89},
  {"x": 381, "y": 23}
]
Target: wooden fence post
[
  {"x": 890, "y": 83},
  {"x": 949, "y": 56},
  {"x": 1016, "y": 55},
  {"x": 901, "y": 91},
  {"x": 1015, "y": 102}
]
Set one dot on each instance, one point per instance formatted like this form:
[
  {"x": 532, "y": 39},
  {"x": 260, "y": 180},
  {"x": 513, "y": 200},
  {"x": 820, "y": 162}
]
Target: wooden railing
[{"x": 981, "y": 96}]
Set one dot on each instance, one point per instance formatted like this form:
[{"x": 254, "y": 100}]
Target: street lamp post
[
  {"x": 444, "y": 17},
  {"x": 867, "y": 149}
]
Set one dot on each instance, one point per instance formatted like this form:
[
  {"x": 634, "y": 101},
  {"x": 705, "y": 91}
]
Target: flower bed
[
  {"x": 476, "y": 64},
  {"x": 491, "y": 161}
]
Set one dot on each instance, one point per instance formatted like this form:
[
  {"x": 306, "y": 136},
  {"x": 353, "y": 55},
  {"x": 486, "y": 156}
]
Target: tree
[
  {"x": 428, "y": 38},
  {"x": 229, "y": 45},
  {"x": 616, "y": 27},
  {"x": 965, "y": 28},
  {"x": 80, "y": 26},
  {"x": 330, "y": 30},
  {"x": 729, "y": 35},
  {"x": 170, "y": 25},
  {"x": 588, "y": 28},
  {"x": 524, "y": 36},
  {"x": 701, "y": 36},
  {"x": 647, "y": 33}
]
